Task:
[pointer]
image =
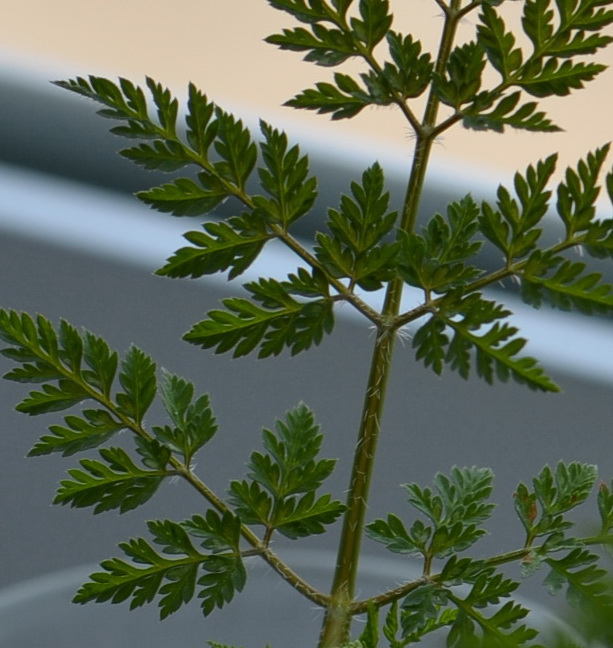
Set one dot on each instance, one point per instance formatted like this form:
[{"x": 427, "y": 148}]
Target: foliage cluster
[{"x": 364, "y": 247}]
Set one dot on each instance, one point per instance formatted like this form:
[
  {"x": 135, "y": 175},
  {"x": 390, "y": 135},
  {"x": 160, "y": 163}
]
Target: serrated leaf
[
  {"x": 114, "y": 483},
  {"x": 374, "y": 22},
  {"x": 411, "y": 71},
  {"x": 137, "y": 377},
  {"x": 281, "y": 322},
  {"x": 186, "y": 197},
  {"x": 567, "y": 287},
  {"x": 80, "y": 433},
  {"x": 53, "y": 398},
  {"x": 251, "y": 502},
  {"x": 102, "y": 363},
  {"x": 159, "y": 155},
  {"x": 496, "y": 350},
  {"x": 237, "y": 150},
  {"x": 435, "y": 259},
  {"x": 324, "y": 46},
  {"x": 299, "y": 517},
  {"x": 524, "y": 118},
  {"x": 344, "y": 99},
  {"x": 462, "y": 80},
  {"x": 218, "y": 532},
  {"x": 393, "y": 534},
  {"x": 420, "y": 609},
  {"x": 201, "y": 125},
  {"x": 174, "y": 581},
  {"x": 285, "y": 178},
  {"x": 226, "y": 576},
  {"x": 554, "y": 78},
  {"x": 234, "y": 244},
  {"x": 498, "y": 43},
  {"x": 513, "y": 227},
  {"x": 280, "y": 491},
  {"x": 577, "y": 194},
  {"x": 308, "y": 11},
  {"x": 584, "y": 580},
  {"x": 194, "y": 423},
  {"x": 355, "y": 247}
]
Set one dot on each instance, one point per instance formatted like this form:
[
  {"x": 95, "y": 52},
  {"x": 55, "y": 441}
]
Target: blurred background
[{"x": 74, "y": 244}]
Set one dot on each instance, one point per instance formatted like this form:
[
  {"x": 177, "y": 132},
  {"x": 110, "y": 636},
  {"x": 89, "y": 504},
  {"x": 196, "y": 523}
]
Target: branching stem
[{"x": 336, "y": 626}]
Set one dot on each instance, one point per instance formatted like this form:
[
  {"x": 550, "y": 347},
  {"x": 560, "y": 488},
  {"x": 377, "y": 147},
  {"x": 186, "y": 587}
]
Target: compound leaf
[
  {"x": 94, "y": 428},
  {"x": 282, "y": 321},
  {"x": 233, "y": 244},
  {"x": 137, "y": 377},
  {"x": 114, "y": 483},
  {"x": 285, "y": 177}
]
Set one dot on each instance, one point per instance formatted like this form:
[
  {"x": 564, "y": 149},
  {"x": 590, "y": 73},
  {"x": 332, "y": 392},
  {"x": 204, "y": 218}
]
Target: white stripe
[{"x": 100, "y": 222}]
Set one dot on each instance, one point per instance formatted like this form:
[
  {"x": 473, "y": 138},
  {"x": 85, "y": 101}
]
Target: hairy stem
[{"x": 337, "y": 621}]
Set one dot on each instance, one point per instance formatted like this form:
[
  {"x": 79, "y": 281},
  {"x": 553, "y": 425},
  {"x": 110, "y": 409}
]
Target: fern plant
[{"x": 365, "y": 248}]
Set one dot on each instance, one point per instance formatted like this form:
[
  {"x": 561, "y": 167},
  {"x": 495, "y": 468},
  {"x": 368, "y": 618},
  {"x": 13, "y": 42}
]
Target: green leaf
[
  {"x": 554, "y": 493},
  {"x": 499, "y": 44},
  {"x": 217, "y": 532},
  {"x": 53, "y": 398},
  {"x": 281, "y": 322},
  {"x": 421, "y": 611},
  {"x": 299, "y": 517},
  {"x": 194, "y": 423},
  {"x": 226, "y": 576},
  {"x": 289, "y": 468},
  {"x": 554, "y": 78},
  {"x": 393, "y": 534},
  {"x": 114, "y": 483},
  {"x": 185, "y": 197},
  {"x": 344, "y": 99},
  {"x": 308, "y": 11},
  {"x": 411, "y": 71},
  {"x": 167, "y": 107},
  {"x": 567, "y": 287},
  {"x": 233, "y": 244},
  {"x": 605, "y": 507},
  {"x": 102, "y": 363},
  {"x": 124, "y": 102},
  {"x": 137, "y": 377},
  {"x": 374, "y": 22},
  {"x": 584, "y": 580},
  {"x": 251, "y": 502},
  {"x": 290, "y": 465},
  {"x": 159, "y": 155},
  {"x": 496, "y": 349},
  {"x": 513, "y": 226},
  {"x": 355, "y": 248},
  {"x": 537, "y": 21},
  {"x": 285, "y": 178},
  {"x": 430, "y": 340},
  {"x": 175, "y": 581},
  {"x": 455, "y": 509},
  {"x": 463, "y": 75},
  {"x": 325, "y": 46},
  {"x": 201, "y": 125},
  {"x": 80, "y": 433},
  {"x": 577, "y": 194},
  {"x": 237, "y": 151},
  {"x": 435, "y": 259},
  {"x": 524, "y": 118}
]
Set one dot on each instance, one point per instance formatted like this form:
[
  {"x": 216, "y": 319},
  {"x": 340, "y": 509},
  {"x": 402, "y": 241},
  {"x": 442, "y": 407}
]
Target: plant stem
[
  {"x": 338, "y": 616},
  {"x": 337, "y": 621}
]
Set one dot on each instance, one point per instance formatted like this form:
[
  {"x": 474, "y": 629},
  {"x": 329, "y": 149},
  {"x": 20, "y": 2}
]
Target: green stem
[{"x": 337, "y": 621}]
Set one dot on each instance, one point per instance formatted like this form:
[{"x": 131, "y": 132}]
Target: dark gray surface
[{"x": 431, "y": 423}]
